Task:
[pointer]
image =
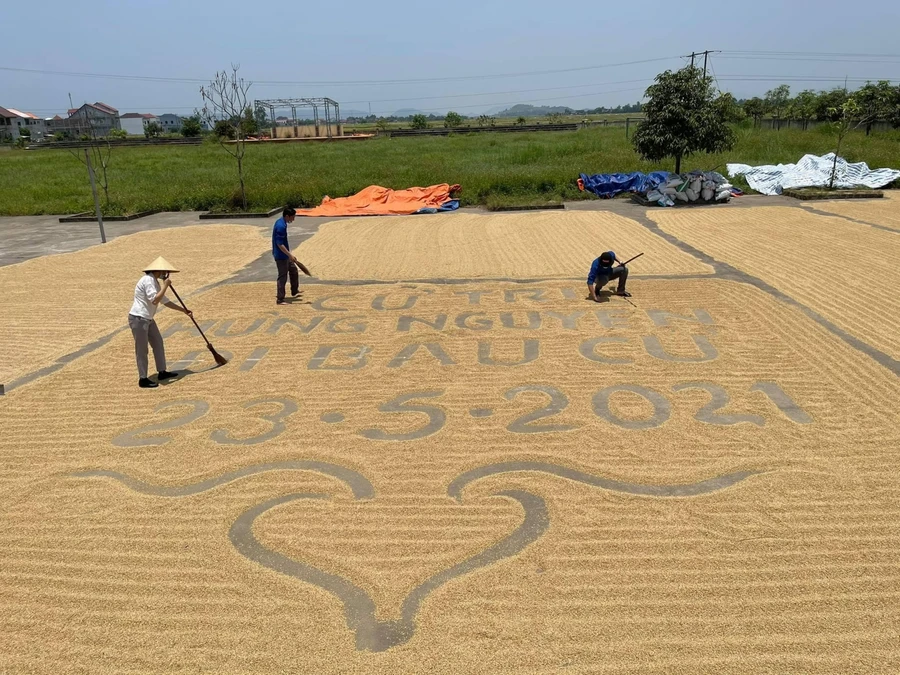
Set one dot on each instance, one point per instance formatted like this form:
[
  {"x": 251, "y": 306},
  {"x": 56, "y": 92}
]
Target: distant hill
[
  {"x": 525, "y": 110},
  {"x": 408, "y": 112}
]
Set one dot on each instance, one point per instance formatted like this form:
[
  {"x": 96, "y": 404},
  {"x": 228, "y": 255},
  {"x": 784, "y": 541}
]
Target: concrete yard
[{"x": 444, "y": 458}]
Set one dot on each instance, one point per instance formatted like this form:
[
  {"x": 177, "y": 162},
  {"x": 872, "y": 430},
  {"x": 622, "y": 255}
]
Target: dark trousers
[
  {"x": 620, "y": 273},
  {"x": 287, "y": 268}
]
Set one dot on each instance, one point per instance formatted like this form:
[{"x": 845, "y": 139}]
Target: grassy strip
[{"x": 514, "y": 168}]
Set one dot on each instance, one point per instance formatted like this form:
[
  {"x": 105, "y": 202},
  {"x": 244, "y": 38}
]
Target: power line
[
  {"x": 808, "y": 58},
  {"x": 419, "y": 98},
  {"x": 801, "y": 78},
  {"x": 441, "y": 109},
  {"x": 719, "y": 78},
  {"x": 793, "y": 53},
  {"x": 735, "y": 55},
  {"x": 337, "y": 83},
  {"x": 646, "y": 80}
]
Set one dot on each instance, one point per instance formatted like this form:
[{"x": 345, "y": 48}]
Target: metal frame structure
[{"x": 331, "y": 108}]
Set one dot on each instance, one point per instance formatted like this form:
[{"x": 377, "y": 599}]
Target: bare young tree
[
  {"x": 225, "y": 102},
  {"x": 97, "y": 155},
  {"x": 848, "y": 118}
]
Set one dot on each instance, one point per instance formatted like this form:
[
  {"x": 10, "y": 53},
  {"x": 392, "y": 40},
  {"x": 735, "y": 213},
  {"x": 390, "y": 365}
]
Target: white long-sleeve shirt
[{"x": 146, "y": 289}]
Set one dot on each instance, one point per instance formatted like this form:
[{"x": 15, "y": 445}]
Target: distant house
[
  {"x": 134, "y": 124},
  {"x": 97, "y": 117},
  {"x": 170, "y": 123},
  {"x": 12, "y": 122},
  {"x": 281, "y": 121}
]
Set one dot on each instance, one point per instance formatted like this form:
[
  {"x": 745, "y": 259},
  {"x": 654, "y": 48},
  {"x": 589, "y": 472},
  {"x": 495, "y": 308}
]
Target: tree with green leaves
[
  {"x": 223, "y": 129},
  {"x": 453, "y": 119},
  {"x": 381, "y": 124},
  {"x": 683, "y": 117},
  {"x": 730, "y": 108},
  {"x": 894, "y": 112},
  {"x": 828, "y": 103},
  {"x": 24, "y": 137},
  {"x": 777, "y": 100},
  {"x": 419, "y": 122},
  {"x": 153, "y": 130},
  {"x": 521, "y": 121},
  {"x": 191, "y": 126},
  {"x": 249, "y": 123},
  {"x": 803, "y": 107},
  {"x": 875, "y": 102},
  {"x": 261, "y": 117},
  {"x": 755, "y": 109}
]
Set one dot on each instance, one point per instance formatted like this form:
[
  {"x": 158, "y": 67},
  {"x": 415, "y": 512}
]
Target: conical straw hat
[{"x": 160, "y": 265}]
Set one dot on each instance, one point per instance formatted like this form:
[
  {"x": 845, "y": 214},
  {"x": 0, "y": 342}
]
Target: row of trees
[
  {"x": 876, "y": 102},
  {"x": 685, "y": 114},
  {"x": 618, "y": 110}
]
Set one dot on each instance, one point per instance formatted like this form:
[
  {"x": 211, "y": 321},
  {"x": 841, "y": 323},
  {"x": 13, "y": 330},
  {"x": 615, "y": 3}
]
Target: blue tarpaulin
[
  {"x": 451, "y": 205},
  {"x": 608, "y": 185}
]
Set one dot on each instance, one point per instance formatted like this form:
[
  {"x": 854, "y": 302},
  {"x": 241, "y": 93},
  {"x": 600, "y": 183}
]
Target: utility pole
[
  {"x": 70, "y": 101},
  {"x": 705, "y": 53}
]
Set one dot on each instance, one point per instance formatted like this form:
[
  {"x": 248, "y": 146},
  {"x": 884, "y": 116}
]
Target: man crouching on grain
[{"x": 602, "y": 272}]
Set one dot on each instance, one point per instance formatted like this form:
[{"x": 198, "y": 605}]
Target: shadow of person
[
  {"x": 602, "y": 296},
  {"x": 187, "y": 372}
]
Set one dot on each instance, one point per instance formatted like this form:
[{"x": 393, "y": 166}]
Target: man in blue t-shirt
[
  {"x": 284, "y": 259},
  {"x": 602, "y": 271}
]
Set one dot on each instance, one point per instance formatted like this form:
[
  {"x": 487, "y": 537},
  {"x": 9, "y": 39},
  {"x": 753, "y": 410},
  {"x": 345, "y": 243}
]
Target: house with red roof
[
  {"x": 91, "y": 118},
  {"x": 13, "y": 122}
]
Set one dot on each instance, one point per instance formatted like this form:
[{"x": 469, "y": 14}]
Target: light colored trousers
[{"x": 146, "y": 332}]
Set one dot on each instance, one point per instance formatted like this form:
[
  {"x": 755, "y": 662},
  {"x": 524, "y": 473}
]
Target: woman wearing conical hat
[{"x": 148, "y": 294}]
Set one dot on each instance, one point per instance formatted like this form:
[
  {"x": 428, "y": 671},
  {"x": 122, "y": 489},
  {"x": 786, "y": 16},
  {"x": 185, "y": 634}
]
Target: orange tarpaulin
[{"x": 380, "y": 201}]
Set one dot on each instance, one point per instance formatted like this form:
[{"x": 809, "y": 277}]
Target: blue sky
[{"x": 325, "y": 45}]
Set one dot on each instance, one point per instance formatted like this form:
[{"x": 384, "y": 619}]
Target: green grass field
[{"x": 492, "y": 168}]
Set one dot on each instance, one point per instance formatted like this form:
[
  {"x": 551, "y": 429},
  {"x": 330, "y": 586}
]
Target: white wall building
[{"x": 135, "y": 123}]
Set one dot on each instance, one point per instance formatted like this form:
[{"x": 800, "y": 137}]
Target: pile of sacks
[{"x": 702, "y": 186}]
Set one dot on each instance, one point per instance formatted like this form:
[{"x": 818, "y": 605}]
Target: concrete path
[{"x": 25, "y": 237}]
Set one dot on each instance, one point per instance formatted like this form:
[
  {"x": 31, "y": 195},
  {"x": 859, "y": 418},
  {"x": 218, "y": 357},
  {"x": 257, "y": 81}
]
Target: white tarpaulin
[{"x": 812, "y": 171}]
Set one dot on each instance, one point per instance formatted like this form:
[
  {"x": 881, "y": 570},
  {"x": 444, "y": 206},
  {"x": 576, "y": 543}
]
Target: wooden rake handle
[{"x": 191, "y": 315}]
